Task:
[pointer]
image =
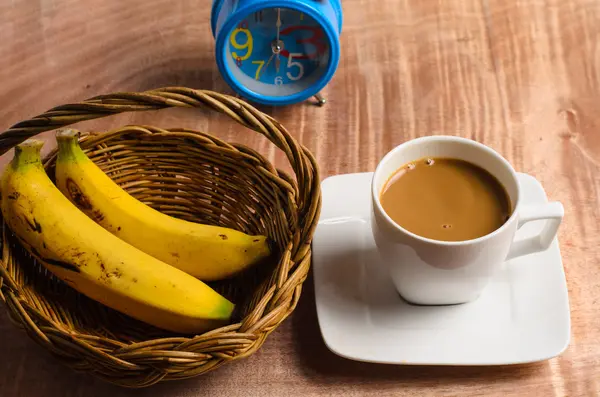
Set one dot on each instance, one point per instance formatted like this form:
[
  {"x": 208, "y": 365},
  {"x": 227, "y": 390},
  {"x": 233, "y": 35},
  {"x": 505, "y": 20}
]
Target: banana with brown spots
[
  {"x": 97, "y": 263},
  {"x": 204, "y": 251}
]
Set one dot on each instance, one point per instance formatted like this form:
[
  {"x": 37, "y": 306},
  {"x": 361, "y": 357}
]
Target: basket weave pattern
[{"x": 193, "y": 176}]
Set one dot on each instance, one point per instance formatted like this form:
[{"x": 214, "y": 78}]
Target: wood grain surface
[{"x": 520, "y": 76}]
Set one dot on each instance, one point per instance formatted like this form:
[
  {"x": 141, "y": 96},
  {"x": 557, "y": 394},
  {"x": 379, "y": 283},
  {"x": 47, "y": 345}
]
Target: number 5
[{"x": 291, "y": 63}]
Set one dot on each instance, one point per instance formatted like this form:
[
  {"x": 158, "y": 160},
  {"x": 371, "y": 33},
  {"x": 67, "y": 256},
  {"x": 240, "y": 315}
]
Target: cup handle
[{"x": 553, "y": 212}]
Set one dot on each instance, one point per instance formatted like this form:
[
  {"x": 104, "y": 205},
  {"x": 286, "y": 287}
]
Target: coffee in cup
[{"x": 446, "y": 199}]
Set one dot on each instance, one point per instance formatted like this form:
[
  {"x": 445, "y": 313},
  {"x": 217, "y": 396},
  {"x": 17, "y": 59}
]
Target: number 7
[{"x": 260, "y": 66}]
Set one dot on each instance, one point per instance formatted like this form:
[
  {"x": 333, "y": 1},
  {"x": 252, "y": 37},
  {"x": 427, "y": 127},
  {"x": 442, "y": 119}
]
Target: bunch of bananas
[{"x": 111, "y": 247}]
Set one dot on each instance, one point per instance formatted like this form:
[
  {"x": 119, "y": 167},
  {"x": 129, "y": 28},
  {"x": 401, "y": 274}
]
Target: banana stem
[
  {"x": 68, "y": 144},
  {"x": 28, "y": 153}
]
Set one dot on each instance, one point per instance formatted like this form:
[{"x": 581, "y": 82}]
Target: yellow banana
[
  {"x": 97, "y": 263},
  {"x": 204, "y": 251}
]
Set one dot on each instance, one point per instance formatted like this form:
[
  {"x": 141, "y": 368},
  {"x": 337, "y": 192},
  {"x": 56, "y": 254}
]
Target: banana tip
[
  {"x": 67, "y": 134},
  {"x": 27, "y": 152},
  {"x": 31, "y": 143},
  {"x": 29, "y": 147}
]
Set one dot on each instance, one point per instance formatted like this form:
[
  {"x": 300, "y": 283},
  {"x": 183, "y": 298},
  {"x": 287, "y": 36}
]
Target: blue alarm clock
[{"x": 277, "y": 52}]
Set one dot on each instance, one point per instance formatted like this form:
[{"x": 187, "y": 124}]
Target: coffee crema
[{"x": 446, "y": 199}]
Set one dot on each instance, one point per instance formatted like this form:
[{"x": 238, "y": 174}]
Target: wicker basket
[{"x": 190, "y": 175}]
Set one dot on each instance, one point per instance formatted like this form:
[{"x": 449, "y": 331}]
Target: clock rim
[{"x": 216, "y": 9}]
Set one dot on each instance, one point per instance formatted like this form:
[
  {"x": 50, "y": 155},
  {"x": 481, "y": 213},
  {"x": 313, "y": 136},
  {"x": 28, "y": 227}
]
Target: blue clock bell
[{"x": 277, "y": 52}]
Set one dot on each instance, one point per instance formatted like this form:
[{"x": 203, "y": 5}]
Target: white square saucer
[{"x": 522, "y": 316}]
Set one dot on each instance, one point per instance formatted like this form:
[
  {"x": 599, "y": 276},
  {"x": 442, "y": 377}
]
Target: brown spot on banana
[
  {"x": 82, "y": 201},
  {"x": 175, "y": 254},
  {"x": 97, "y": 215},
  {"x": 76, "y": 253},
  {"x": 106, "y": 276},
  {"x": 34, "y": 225},
  {"x": 78, "y": 197},
  {"x": 14, "y": 195},
  {"x": 64, "y": 265},
  {"x": 223, "y": 236}
]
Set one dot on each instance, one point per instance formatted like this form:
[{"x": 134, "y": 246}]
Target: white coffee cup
[{"x": 433, "y": 272}]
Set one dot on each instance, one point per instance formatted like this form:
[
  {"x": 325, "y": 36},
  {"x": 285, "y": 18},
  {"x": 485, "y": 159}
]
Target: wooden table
[{"x": 520, "y": 76}]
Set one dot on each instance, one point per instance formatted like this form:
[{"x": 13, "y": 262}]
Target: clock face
[{"x": 277, "y": 52}]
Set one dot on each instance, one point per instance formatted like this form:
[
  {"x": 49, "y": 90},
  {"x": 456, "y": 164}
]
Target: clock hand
[
  {"x": 278, "y": 44},
  {"x": 266, "y": 66},
  {"x": 278, "y": 23}
]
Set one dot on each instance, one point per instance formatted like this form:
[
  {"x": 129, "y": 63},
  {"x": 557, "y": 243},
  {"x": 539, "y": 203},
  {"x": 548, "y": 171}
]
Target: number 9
[{"x": 247, "y": 45}]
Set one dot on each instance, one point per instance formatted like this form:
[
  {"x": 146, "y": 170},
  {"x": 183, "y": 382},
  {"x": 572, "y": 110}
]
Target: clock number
[
  {"x": 258, "y": 16},
  {"x": 260, "y": 66},
  {"x": 243, "y": 25},
  {"x": 315, "y": 39},
  {"x": 238, "y": 61},
  {"x": 247, "y": 45},
  {"x": 300, "y": 67},
  {"x": 278, "y": 80}
]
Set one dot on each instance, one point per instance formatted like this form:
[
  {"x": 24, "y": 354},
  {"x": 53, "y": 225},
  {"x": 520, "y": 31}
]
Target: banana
[
  {"x": 97, "y": 263},
  {"x": 204, "y": 251}
]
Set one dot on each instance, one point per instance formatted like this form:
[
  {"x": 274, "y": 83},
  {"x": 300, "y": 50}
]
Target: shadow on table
[
  {"x": 199, "y": 73},
  {"x": 324, "y": 367}
]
